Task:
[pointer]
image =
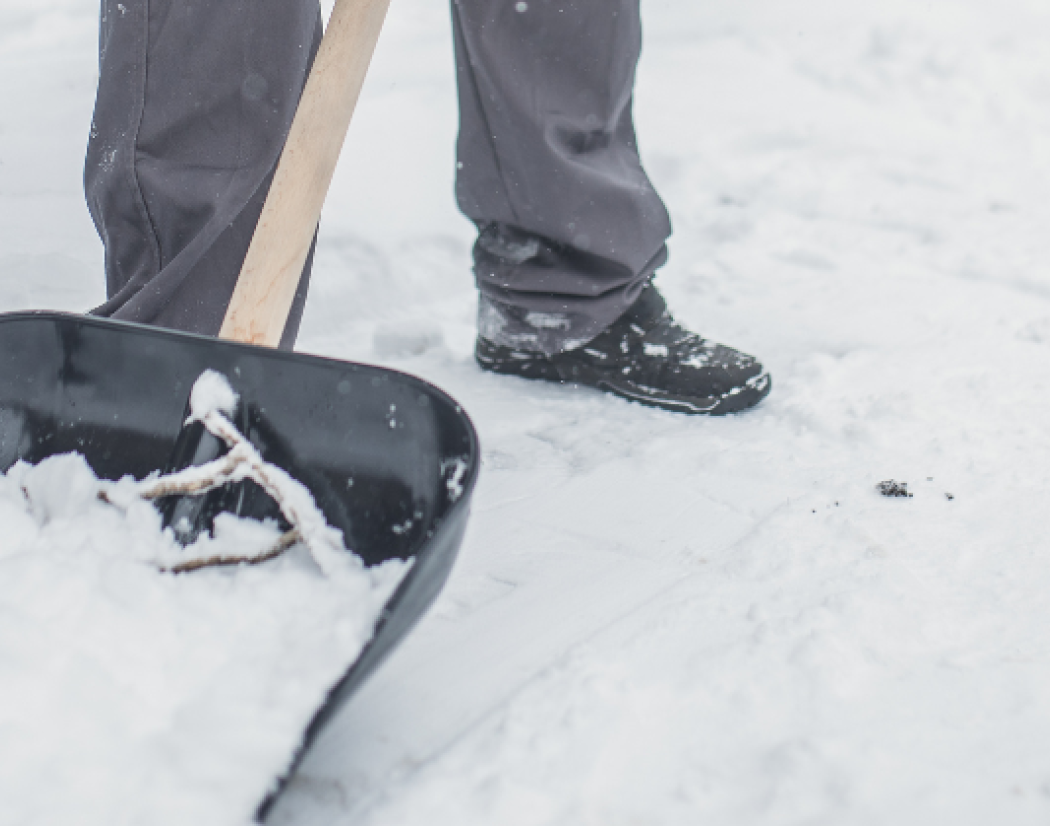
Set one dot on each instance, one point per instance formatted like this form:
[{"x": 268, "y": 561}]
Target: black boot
[{"x": 645, "y": 356}]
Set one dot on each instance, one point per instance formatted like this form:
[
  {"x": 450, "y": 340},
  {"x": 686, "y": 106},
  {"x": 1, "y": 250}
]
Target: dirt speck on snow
[{"x": 893, "y": 488}]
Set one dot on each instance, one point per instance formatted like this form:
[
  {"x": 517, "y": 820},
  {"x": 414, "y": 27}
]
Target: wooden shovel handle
[{"x": 266, "y": 286}]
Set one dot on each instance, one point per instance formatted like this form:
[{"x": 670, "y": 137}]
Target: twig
[
  {"x": 294, "y": 499},
  {"x": 287, "y": 540},
  {"x": 243, "y": 462},
  {"x": 193, "y": 481}
]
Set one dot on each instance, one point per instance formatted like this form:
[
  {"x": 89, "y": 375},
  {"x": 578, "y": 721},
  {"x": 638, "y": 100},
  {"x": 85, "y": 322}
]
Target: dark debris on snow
[{"x": 892, "y": 487}]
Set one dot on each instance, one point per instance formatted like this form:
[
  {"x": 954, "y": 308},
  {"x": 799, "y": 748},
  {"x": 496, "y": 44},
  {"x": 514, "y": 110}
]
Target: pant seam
[
  {"x": 136, "y": 185},
  {"x": 489, "y": 137}
]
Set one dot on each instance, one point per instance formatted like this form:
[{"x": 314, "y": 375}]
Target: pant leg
[
  {"x": 570, "y": 227},
  {"x": 194, "y": 101}
]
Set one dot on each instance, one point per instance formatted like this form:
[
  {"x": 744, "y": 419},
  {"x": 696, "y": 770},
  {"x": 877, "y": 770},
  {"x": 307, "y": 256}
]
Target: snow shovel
[{"x": 390, "y": 460}]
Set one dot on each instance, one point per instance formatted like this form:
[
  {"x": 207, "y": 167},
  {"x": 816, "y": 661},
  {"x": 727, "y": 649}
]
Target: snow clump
[{"x": 133, "y": 696}]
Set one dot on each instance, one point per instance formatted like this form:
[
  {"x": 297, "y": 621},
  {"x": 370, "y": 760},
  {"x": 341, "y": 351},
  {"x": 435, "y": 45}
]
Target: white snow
[
  {"x": 659, "y": 619},
  {"x": 211, "y": 393},
  {"x": 397, "y": 341},
  {"x": 135, "y": 696}
]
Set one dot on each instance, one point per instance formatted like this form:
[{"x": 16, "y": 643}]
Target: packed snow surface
[
  {"x": 132, "y": 696},
  {"x": 667, "y": 620}
]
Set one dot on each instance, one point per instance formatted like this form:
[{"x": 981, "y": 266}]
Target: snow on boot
[{"x": 646, "y": 357}]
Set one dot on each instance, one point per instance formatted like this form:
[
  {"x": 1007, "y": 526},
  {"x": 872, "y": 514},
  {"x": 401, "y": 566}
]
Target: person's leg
[
  {"x": 195, "y": 98},
  {"x": 570, "y": 228}
]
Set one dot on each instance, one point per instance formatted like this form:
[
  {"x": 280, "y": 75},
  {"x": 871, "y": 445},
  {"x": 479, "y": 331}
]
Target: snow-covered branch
[{"x": 211, "y": 402}]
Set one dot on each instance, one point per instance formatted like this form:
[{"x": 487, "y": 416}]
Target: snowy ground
[{"x": 660, "y": 619}]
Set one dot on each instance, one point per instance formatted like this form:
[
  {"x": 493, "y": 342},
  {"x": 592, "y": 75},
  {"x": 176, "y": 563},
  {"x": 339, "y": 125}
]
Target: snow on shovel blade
[{"x": 390, "y": 460}]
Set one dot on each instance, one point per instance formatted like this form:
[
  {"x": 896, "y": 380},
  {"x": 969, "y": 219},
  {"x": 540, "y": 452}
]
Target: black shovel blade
[{"x": 390, "y": 459}]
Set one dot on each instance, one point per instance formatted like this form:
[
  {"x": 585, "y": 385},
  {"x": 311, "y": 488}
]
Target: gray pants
[{"x": 195, "y": 98}]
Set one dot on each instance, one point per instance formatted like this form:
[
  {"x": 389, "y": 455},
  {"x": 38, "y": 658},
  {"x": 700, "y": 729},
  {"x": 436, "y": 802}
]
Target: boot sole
[{"x": 736, "y": 400}]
